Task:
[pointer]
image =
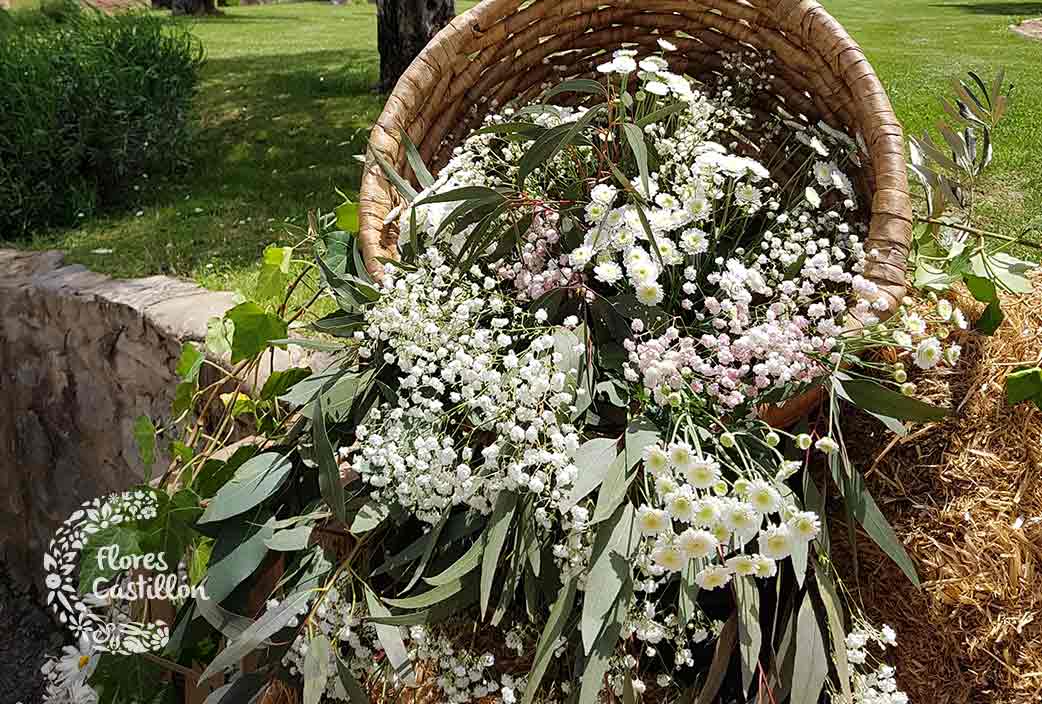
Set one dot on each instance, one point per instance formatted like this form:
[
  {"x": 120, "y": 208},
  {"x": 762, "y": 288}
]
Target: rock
[{"x": 81, "y": 357}]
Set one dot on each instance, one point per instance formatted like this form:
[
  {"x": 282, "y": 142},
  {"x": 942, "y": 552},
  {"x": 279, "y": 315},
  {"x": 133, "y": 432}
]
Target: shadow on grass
[
  {"x": 277, "y": 138},
  {"x": 996, "y": 8}
]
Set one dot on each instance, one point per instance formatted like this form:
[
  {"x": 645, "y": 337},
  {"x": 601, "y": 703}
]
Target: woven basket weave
[{"x": 502, "y": 50}]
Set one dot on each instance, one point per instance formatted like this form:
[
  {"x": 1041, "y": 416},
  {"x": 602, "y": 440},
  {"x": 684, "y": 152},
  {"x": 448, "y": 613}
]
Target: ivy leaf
[
  {"x": 145, "y": 437},
  {"x": 347, "y": 217},
  {"x": 254, "y": 328},
  {"x": 280, "y": 382},
  {"x": 190, "y": 362},
  {"x": 274, "y": 272},
  {"x": 123, "y": 537},
  {"x": 990, "y": 320},
  {"x": 219, "y": 333},
  {"x": 254, "y": 481}
]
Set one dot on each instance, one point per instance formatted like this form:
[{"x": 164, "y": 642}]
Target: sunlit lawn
[{"x": 286, "y": 102}]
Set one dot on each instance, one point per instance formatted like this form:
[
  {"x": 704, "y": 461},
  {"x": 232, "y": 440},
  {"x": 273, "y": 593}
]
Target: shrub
[{"x": 90, "y": 103}]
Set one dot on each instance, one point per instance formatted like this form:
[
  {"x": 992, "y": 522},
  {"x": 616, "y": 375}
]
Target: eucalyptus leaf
[
  {"x": 812, "y": 666},
  {"x": 750, "y": 637},
  {"x": 493, "y": 539},
  {"x": 610, "y": 561},
  {"x": 879, "y": 400},
  {"x": 593, "y": 460},
  {"x": 316, "y": 669},
  {"x": 464, "y": 565},
  {"x": 390, "y": 638},
  {"x": 834, "y": 614},
  {"x": 355, "y": 693},
  {"x": 257, "y": 479},
  {"x": 290, "y": 540},
  {"x": 721, "y": 662},
  {"x": 554, "y": 628},
  {"x": 238, "y": 551},
  {"x": 272, "y": 621},
  {"x": 328, "y": 470}
]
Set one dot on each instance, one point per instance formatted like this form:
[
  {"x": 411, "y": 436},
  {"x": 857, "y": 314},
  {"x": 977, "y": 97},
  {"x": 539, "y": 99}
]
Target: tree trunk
[
  {"x": 403, "y": 28},
  {"x": 194, "y": 7}
]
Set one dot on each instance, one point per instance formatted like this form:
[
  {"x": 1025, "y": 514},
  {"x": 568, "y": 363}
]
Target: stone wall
[{"x": 81, "y": 357}]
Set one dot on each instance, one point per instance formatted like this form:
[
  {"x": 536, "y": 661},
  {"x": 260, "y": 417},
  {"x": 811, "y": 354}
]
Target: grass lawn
[{"x": 285, "y": 102}]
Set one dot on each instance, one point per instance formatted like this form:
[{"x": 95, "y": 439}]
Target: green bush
[{"x": 91, "y": 105}]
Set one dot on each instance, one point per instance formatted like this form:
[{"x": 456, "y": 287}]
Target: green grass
[{"x": 286, "y": 101}]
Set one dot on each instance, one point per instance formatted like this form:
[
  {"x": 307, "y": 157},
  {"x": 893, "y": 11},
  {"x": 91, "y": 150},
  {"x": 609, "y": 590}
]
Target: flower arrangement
[{"x": 539, "y": 468}]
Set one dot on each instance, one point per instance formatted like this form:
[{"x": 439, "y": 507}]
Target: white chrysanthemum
[
  {"x": 649, "y": 293},
  {"x": 656, "y": 87},
  {"x": 713, "y": 577},
  {"x": 776, "y": 542},
  {"x": 952, "y": 354},
  {"x": 681, "y": 456},
  {"x": 805, "y": 525},
  {"x": 604, "y": 194},
  {"x": 763, "y": 496},
  {"x": 706, "y": 513},
  {"x": 703, "y": 472},
  {"x": 665, "y": 484},
  {"x": 945, "y": 309},
  {"x": 812, "y": 197},
  {"x": 680, "y": 505},
  {"x": 656, "y": 460},
  {"x": 607, "y": 272},
  {"x": 697, "y": 543},
  {"x": 669, "y": 558},
  {"x": 928, "y": 353},
  {"x": 765, "y": 566},
  {"x": 959, "y": 319},
  {"x": 694, "y": 241},
  {"x": 581, "y": 256},
  {"x": 742, "y": 565},
  {"x": 915, "y": 324},
  {"x": 652, "y": 521}
]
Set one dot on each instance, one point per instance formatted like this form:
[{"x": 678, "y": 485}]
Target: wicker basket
[{"x": 506, "y": 49}]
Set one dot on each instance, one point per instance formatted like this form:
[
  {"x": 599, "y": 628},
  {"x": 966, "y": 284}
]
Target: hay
[{"x": 965, "y": 496}]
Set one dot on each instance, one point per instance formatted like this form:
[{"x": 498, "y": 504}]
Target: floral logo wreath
[{"x": 112, "y": 632}]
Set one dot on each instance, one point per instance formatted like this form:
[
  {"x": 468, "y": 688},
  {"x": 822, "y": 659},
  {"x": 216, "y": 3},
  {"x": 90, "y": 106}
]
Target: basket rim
[{"x": 805, "y": 22}]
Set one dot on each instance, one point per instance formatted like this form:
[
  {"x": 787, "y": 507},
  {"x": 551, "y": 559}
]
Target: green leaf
[
  {"x": 991, "y": 318},
  {"x": 280, "y": 382},
  {"x": 347, "y": 217},
  {"x": 877, "y": 399},
  {"x": 687, "y": 598},
  {"x": 369, "y": 516},
  {"x": 190, "y": 362},
  {"x": 553, "y": 141},
  {"x": 553, "y": 629},
  {"x": 461, "y": 194},
  {"x": 290, "y": 540},
  {"x": 430, "y": 597},
  {"x": 390, "y": 638},
  {"x": 355, "y": 693},
  {"x": 1023, "y": 384},
  {"x": 219, "y": 333},
  {"x": 593, "y": 459},
  {"x": 635, "y": 138},
  {"x": 254, "y": 481},
  {"x": 461, "y": 567},
  {"x": 834, "y": 613},
  {"x": 576, "y": 85},
  {"x": 982, "y": 288},
  {"x": 404, "y": 187},
  {"x": 316, "y": 669},
  {"x": 272, "y": 621},
  {"x": 610, "y": 561},
  {"x": 721, "y": 662},
  {"x": 253, "y": 329},
  {"x": 412, "y": 155},
  {"x": 123, "y": 537},
  {"x": 639, "y": 434},
  {"x": 271, "y": 282},
  {"x": 863, "y": 507},
  {"x": 750, "y": 637},
  {"x": 145, "y": 437},
  {"x": 812, "y": 666},
  {"x": 237, "y": 552},
  {"x": 493, "y": 540},
  {"x": 200, "y": 560},
  {"x": 1004, "y": 270},
  {"x": 328, "y": 469}
]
